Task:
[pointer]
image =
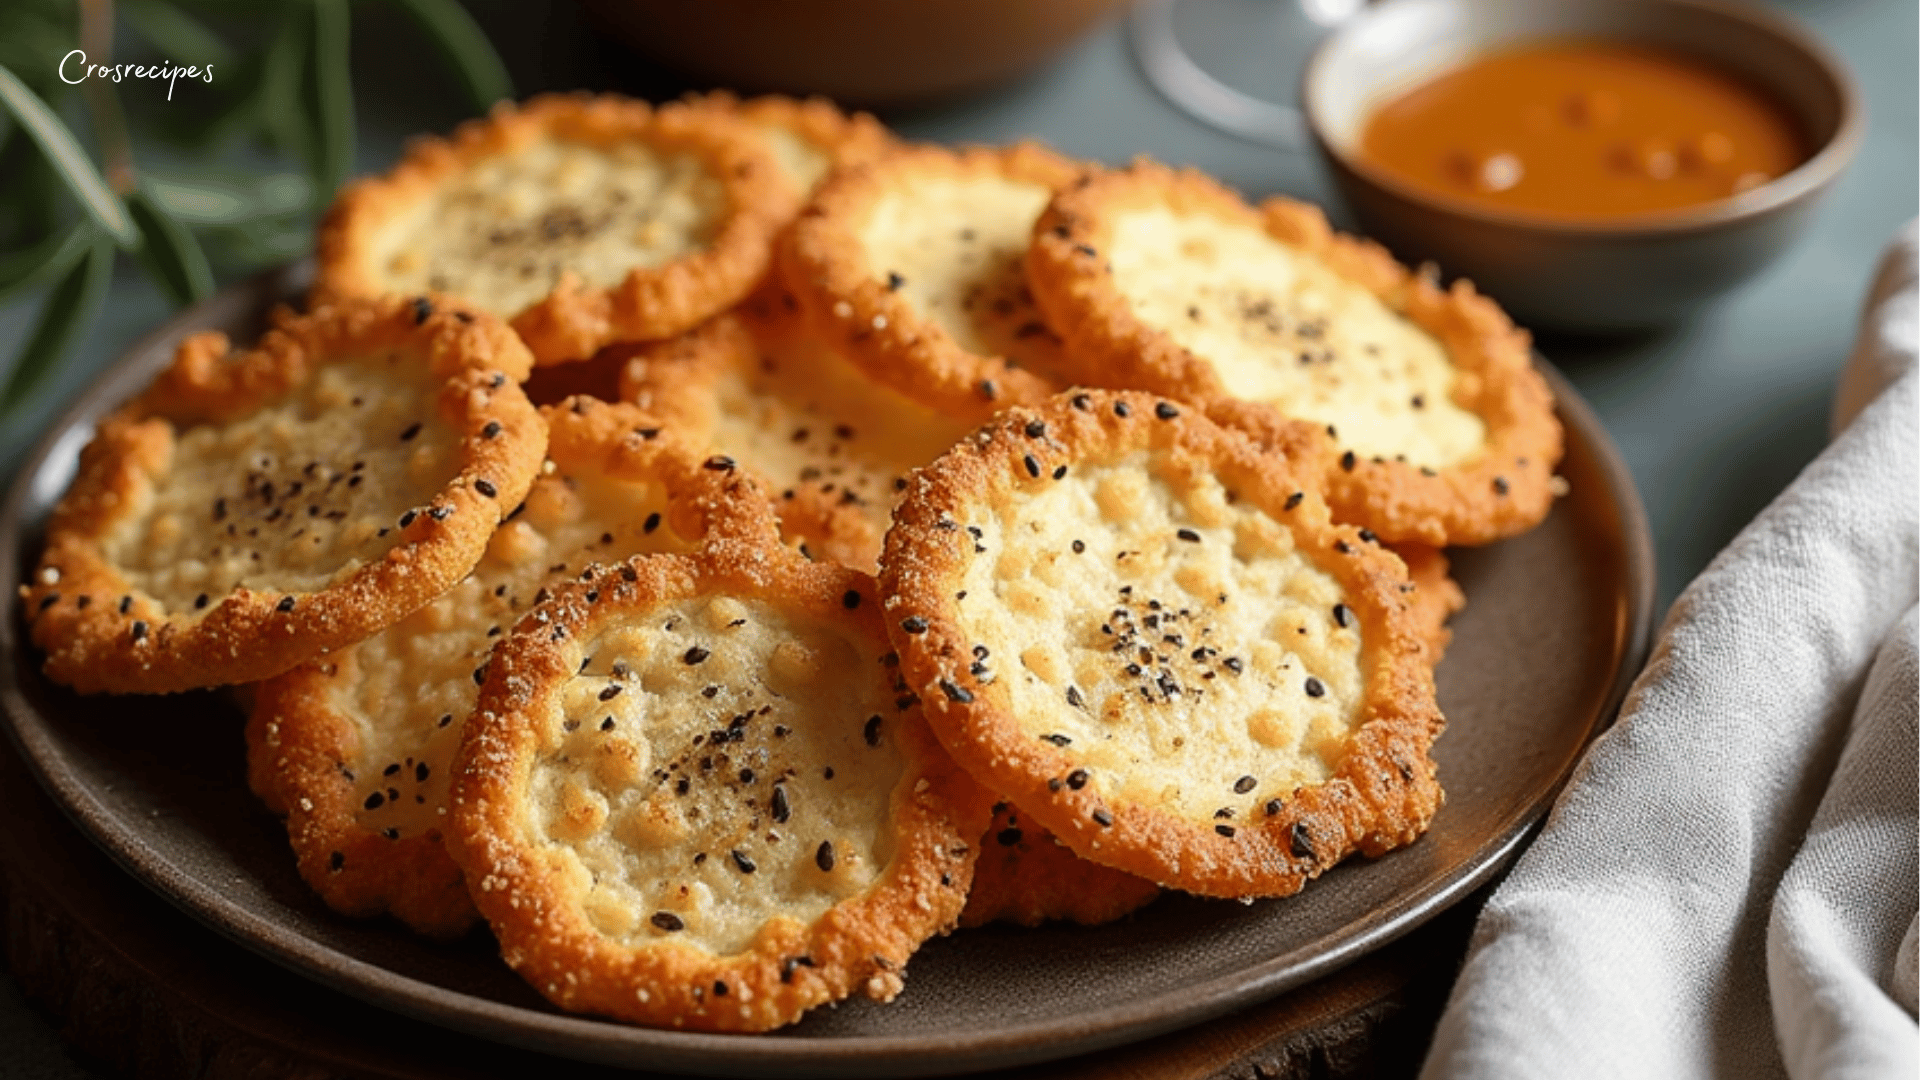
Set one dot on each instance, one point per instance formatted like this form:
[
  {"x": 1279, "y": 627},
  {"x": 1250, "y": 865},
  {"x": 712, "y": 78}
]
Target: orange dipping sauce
[{"x": 1584, "y": 130}]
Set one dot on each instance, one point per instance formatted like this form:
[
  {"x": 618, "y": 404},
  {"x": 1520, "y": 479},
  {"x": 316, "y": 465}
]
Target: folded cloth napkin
[{"x": 1729, "y": 885}]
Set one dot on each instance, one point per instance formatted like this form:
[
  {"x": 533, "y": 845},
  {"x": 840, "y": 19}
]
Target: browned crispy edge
[
  {"x": 1436, "y": 596},
  {"x": 846, "y": 138},
  {"x": 574, "y": 320},
  {"x": 1504, "y": 490},
  {"x": 299, "y": 748},
  {"x": 1384, "y": 791},
  {"x": 860, "y": 944},
  {"x": 1026, "y": 877},
  {"x": 101, "y": 635},
  {"x": 848, "y": 301}
]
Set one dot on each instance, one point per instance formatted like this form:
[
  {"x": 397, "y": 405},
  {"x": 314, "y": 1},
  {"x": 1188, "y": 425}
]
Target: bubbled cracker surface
[
  {"x": 657, "y": 781},
  {"x": 501, "y": 233},
  {"x": 959, "y": 248},
  {"x": 804, "y": 417},
  {"x": 1174, "y": 666},
  {"x": 1280, "y": 327},
  {"x": 803, "y": 162},
  {"x": 407, "y": 691},
  {"x": 293, "y": 496}
]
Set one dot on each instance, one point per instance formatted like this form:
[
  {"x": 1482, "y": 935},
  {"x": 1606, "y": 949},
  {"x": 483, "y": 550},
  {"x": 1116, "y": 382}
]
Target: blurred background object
[{"x": 864, "y": 53}]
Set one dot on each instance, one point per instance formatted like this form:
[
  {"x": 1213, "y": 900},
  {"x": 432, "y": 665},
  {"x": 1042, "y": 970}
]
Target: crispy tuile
[
  {"x": 961, "y": 655},
  {"x": 1502, "y": 489},
  {"x": 103, "y": 633}
]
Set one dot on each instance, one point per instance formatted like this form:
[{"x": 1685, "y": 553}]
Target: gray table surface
[{"x": 1714, "y": 417}]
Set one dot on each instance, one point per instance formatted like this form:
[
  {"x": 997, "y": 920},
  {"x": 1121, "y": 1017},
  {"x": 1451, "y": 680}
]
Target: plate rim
[{"x": 608, "y": 1042}]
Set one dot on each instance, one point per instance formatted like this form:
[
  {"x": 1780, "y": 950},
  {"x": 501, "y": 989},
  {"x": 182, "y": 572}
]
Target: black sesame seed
[
  {"x": 336, "y": 860},
  {"x": 1224, "y": 830},
  {"x": 1273, "y": 807},
  {"x": 988, "y": 390},
  {"x": 1165, "y": 410},
  {"x": 285, "y": 605},
  {"x": 201, "y": 601},
  {"x": 480, "y": 675},
  {"x": 782, "y": 809},
  {"x": 894, "y": 281},
  {"x": 49, "y": 600},
  {"x": 1033, "y": 466},
  {"x": 1244, "y": 785},
  {"x": 611, "y": 692},
  {"x": 1300, "y": 841},
  {"x": 788, "y": 965},
  {"x": 1079, "y": 547},
  {"x": 1103, "y": 817},
  {"x": 668, "y": 921},
  {"x": 412, "y": 430},
  {"x": 872, "y": 731},
  {"x": 485, "y": 487},
  {"x": 1316, "y": 688},
  {"x": 1077, "y": 779},
  {"x": 1059, "y": 472},
  {"x": 1074, "y": 699},
  {"x": 1347, "y": 461},
  {"x": 375, "y": 801},
  {"x": 1368, "y": 536},
  {"x": 823, "y": 856},
  {"x": 1058, "y": 740},
  {"x": 1500, "y": 485},
  {"x": 607, "y": 724},
  {"x": 139, "y": 630},
  {"x": 1233, "y": 664},
  {"x": 851, "y": 600},
  {"x": 955, "y": 693},
  {"x": 1342, "y": 615},
  {"x": 126, "y": 602},
  {"x": 1122, "y": 410},
  {"x": 1188, "y": 535},
  {"x": 720, "y": 463},
  {"x": 696, "y": 655},
  {"x": 740, "y": 860},
  {"x": 653, "y": 522},
  {"x": 492, "y": 430},
  {"x": 914, "y": 624},
  {"x": 1082, "y": 402}
]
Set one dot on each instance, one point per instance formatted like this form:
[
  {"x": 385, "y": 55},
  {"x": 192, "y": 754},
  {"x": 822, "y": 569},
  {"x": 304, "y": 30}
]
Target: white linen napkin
[{"x": 1729, "y": 885}]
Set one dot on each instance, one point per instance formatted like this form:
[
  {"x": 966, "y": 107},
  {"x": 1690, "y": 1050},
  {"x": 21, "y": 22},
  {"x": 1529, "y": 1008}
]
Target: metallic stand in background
[{"x": 1175, "y": 74}]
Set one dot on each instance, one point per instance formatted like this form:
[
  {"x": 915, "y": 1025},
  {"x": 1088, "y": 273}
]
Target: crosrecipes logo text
[{"x": 74, "y": 70}]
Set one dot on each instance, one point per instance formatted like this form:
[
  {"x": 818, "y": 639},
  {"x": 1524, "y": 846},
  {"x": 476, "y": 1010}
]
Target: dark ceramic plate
[{"x": 1556, "y": 625}]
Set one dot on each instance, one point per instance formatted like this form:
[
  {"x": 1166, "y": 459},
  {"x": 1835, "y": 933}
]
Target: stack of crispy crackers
[{"x": 722, "y": 546}]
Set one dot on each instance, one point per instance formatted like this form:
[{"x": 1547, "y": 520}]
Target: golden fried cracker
[
  {"x": 697, "y": 795},
  {"x": 253, "y": 511},
  {"x": 1165, "y": 281},
  {"x": 584, "y": 220},
  {"x": 912, "y": 266},
  {"x": 356, "y": 748},
  {"x": 1149, "y": 636},
  {"x": 1027, "y": 877},
  {"x": 808, "y": 138},
  {"x": 833, "y": 445}
]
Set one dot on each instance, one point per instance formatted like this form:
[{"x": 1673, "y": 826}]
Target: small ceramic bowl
[{"x": 1618, "y": 274}]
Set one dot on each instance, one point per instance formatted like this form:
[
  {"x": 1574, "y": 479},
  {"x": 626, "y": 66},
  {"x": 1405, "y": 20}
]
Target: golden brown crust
[
  {"x": 860, "y": 943},
  {"x": 102, "y": 634},
  {"x": 842, "y": 139},
  {"x": 1436, "y": 596},
  {"x": 1383, "y": 791},
  {"x": 304, "y": 752},
  {"x": 856, "y": 304},
  {"x": 832, "y": 445},
  {"x": 1504, "y": 489},
  {"x": 1026, "y": 877},
  {"x": 574, "y": 320}
]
